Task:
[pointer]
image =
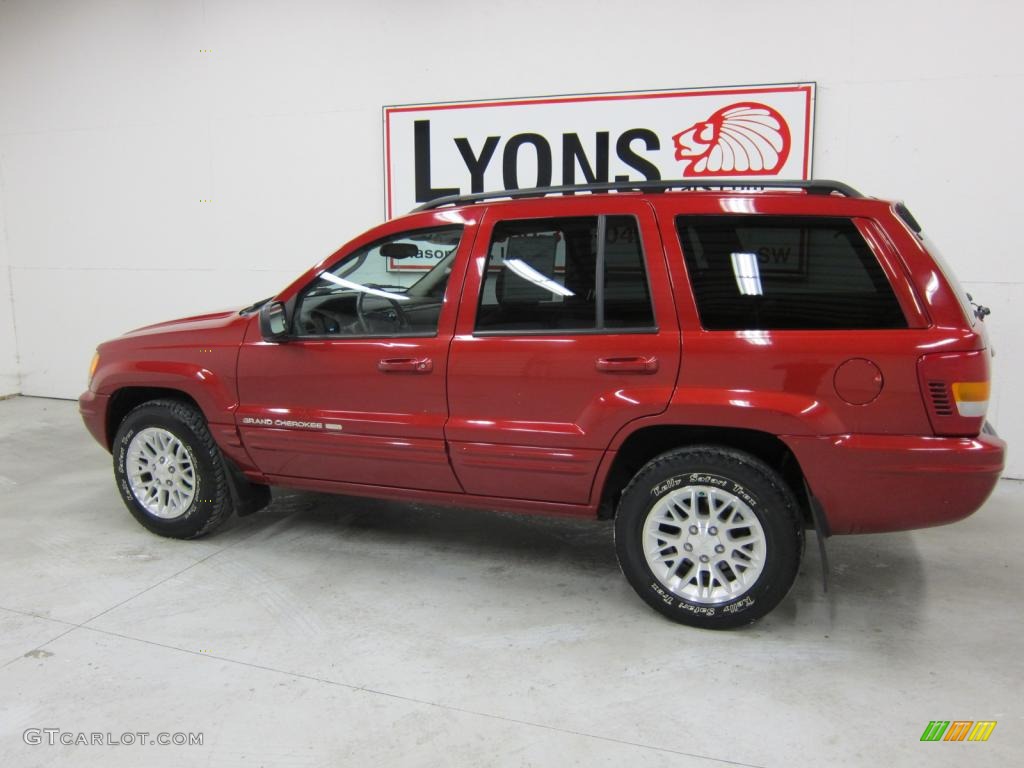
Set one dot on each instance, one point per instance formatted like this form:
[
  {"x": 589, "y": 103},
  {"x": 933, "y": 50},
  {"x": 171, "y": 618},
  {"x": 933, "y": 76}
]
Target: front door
[
  {"x": 572, "y": 334},
  {"x": 359, "y": 395}
]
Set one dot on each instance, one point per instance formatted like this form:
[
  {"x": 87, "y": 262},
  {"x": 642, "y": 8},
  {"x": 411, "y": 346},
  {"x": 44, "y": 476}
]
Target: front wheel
[
  {"x": 709, "y": 536},
  {"x": 169, "y": 470}
]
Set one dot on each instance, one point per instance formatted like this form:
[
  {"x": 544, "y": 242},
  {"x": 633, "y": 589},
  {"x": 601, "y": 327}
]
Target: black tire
[
  {"x": 684, "y": 486},
  {"x": 211, "y": 503}
]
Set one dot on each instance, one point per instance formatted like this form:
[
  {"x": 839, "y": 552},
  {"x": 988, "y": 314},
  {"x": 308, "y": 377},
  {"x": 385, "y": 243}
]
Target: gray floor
[{"x": 337, "y": 631}]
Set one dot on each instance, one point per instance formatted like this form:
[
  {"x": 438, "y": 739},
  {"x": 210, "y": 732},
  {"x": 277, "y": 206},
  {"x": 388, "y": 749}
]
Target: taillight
[
  {"x": 92, "y": 367},
  {"x": 971, "y": 398},
  {"x": 956, "y": 389}
]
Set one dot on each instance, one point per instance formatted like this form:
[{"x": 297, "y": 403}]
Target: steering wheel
[
  {"x": 400, "y": 317},
  {"x": 322, "y": 323}
]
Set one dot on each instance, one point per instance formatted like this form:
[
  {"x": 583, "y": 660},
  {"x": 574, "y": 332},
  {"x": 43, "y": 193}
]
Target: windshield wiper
[{"x": 255, "y": 306}]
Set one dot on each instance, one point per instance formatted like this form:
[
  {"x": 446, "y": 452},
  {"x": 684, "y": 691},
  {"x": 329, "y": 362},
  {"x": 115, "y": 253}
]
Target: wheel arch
[
  {"x": 248, "y": 496},
  {"x": 124, "y": 400},
  {"x": 648, "y": 442}
]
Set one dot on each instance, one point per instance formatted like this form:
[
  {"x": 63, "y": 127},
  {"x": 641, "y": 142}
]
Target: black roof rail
[{"x": 812, "y": 187}]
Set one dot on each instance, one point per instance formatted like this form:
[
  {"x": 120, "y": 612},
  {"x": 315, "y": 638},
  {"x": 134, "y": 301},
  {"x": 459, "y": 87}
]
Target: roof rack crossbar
[{"x": 812, "y": 187}]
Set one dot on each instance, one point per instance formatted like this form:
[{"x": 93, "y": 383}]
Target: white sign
[{"x": 755, "y": 132}]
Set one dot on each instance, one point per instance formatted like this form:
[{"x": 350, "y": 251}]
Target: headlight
[{"x": 92, "y": 366}]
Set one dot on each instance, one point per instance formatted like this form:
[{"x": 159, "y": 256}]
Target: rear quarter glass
[
  {"x": 758, "y": 272},
  {"x": 951, "y": 279}
]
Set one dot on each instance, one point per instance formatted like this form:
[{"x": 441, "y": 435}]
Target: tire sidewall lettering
[
  {"x": 122, "y": 453},
  {"x": 708, "y": 479}
]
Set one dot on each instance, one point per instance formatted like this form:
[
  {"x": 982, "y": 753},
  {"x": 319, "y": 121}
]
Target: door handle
[
  {"x": 405, "y": 365},
  {"x": 627, "y": 364}
]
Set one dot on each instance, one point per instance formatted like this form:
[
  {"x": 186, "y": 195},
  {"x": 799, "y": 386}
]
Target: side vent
[{"x": 942, "y": 401}]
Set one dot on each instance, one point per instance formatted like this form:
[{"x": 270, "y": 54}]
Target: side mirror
[
  {"x": 274, "y": 322},
  {"x": 399, "y": 251}
]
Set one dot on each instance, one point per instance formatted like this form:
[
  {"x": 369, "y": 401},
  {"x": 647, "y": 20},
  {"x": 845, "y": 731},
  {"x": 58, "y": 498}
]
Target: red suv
[{"x": 717, "y": 369}]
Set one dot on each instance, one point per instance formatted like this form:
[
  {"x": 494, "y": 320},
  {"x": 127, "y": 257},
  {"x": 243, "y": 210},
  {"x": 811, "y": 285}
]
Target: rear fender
[{"x": 776, "y": 413}]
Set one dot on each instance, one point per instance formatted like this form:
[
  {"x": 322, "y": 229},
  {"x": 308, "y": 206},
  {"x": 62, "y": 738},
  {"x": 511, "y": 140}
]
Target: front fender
[{"x": 214, "y": 393}]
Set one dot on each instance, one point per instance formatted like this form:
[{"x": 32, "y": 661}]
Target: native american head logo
[{"x": 745, "y": 139}]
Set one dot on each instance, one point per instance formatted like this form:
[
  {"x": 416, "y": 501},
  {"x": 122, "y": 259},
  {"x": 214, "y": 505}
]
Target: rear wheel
[
  {"x": 169, "y": 470},
  {"x": 709, "y": 536}
]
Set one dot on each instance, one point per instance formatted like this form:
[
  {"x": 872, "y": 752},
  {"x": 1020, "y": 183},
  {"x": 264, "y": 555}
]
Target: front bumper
[
  {"x": 876, "y": 483},
  {"x": 93, "y": 407}
]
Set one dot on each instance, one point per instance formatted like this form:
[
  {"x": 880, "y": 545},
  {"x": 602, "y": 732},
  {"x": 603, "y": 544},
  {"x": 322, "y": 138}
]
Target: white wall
[
  {"x": 9, "y": 380},
  {"x": 114, "y": 124}
]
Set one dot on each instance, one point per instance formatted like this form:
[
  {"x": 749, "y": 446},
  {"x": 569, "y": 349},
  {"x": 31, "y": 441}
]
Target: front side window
[
  {"x": 582, "y": 273},
  {"x": 785, "y": 273},
  {"x": 393, "y": 287}
]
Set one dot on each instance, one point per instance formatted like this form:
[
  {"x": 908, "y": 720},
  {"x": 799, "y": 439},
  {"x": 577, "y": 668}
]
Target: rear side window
[
  {"x": 954, "y": 283},
  {"x": 583, "y": 273},
  {"x": 785, "y": 273}
]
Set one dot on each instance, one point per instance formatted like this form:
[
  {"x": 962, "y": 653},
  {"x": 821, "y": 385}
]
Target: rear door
[
  {"x": 567, "y": 331},
  {"x": 797, "y": 319}
]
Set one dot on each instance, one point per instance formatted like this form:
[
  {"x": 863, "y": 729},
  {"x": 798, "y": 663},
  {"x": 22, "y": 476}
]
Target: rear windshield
[{"x": 785, "y": 273}]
